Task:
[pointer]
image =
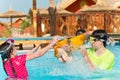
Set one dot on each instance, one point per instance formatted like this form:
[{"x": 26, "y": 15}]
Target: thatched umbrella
[
  {"x": 44, "y": 11},
  {"x": 99, "y": 6},
  {"x": 12, "y": 14}
]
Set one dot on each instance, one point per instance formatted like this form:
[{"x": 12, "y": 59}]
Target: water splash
[{"x": 77, "y": 66}]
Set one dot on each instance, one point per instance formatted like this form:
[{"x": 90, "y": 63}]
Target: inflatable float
[{"x": 75, "y": 42}]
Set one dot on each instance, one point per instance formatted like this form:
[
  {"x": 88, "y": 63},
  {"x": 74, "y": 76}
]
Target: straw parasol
[
  {"x": 44, "y": 11},
  {"x": 99, "y": 6},
  {"x": 12, "y": 14}
]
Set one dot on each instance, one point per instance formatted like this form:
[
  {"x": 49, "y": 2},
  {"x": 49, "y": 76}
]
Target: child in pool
[
  {"x": 98, "y": 56},
  {"x": 65, "y": 53},
  {"x": 15, "y": 65},
  {"x": 64, "y": 50}
]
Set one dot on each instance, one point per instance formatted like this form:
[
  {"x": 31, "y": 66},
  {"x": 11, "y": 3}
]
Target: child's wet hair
[
  {"x": 80, "y": 31},
  {"x": 101, "y": 35},
  {"x": 5, "y": 49}
]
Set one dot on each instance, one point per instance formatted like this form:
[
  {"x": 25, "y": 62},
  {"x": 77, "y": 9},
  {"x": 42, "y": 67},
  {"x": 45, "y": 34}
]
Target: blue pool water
[{"x": 48, "y": 67}]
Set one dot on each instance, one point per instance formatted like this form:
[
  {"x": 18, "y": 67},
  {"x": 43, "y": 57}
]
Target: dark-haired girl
[{"x": 15, "y": 65}]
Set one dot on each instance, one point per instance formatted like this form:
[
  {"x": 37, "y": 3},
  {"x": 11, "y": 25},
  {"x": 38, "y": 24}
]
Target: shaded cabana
[
  {"x": 101, "y": 16},
  {"x": 59, "y": 23}
]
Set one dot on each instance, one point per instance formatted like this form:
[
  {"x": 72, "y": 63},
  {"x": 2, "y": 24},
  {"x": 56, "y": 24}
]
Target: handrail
[{"x": 37, "y": 38}]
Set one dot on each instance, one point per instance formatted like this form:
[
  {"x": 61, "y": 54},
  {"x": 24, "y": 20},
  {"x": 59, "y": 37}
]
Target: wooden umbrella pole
[{"x": 10, "y": 21}]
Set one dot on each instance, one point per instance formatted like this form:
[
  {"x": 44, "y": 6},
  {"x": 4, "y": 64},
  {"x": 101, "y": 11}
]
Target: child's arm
[
  {"x": 42, "y": 51},
  {"x": 87, "y": 33},
  {"x": 34, "y": 49},
  {"x": 85, "y": 54}
]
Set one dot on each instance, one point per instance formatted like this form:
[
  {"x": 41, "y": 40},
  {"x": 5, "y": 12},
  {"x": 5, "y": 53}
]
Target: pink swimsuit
[{"x": 19, "y": 66}]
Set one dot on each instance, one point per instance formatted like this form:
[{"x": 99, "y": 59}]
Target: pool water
[{"x": 48, "y": 67}]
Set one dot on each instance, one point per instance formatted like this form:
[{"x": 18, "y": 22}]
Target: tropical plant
[
  {"x": 24, "y": 24},
  {"x": 7, "y": 33},
  {"x": 30, "y": 17}
]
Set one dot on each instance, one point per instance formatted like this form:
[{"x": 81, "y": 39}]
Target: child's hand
[
  {"x": 87, "y": 59},
  {"x": 55, "y": 39},
  {"x": 83, "y": 50},
  {"x": 88, "y": 33}
]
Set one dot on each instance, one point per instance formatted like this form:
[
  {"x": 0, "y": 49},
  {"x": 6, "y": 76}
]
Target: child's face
[
  {"x": 97, "y": 44},
  {"x": 14, "y": 51},
  {"x": 66, "y": 48}
]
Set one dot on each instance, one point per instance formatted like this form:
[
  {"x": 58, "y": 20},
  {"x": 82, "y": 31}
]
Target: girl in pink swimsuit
[{"x": 15, "y": 65}]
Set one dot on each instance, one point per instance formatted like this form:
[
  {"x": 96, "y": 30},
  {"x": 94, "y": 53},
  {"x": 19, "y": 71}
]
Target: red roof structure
[
  {"x": 74, "y": 5},
  {"x": 2, "y": 29},
  {"x": 17, "y": 23}
]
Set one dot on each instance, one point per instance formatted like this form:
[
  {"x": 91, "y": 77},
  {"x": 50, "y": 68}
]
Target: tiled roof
[{"x": 16, "y": 24}]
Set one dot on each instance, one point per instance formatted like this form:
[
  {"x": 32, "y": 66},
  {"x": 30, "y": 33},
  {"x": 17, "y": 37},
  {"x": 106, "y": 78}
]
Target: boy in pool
[
  {"x": 15, "y": 65},
  {"x": 98, "y": 56},
  {"x": 65, "y": 53},
  {"x": 64, "y": 50}
]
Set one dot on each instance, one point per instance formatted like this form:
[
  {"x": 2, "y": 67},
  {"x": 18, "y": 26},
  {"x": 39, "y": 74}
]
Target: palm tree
[{"x": 25, "y": 24}]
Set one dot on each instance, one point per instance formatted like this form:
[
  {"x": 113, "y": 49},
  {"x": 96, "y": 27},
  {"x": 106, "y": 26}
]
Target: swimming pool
[{"x": 49, "y": 68}]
